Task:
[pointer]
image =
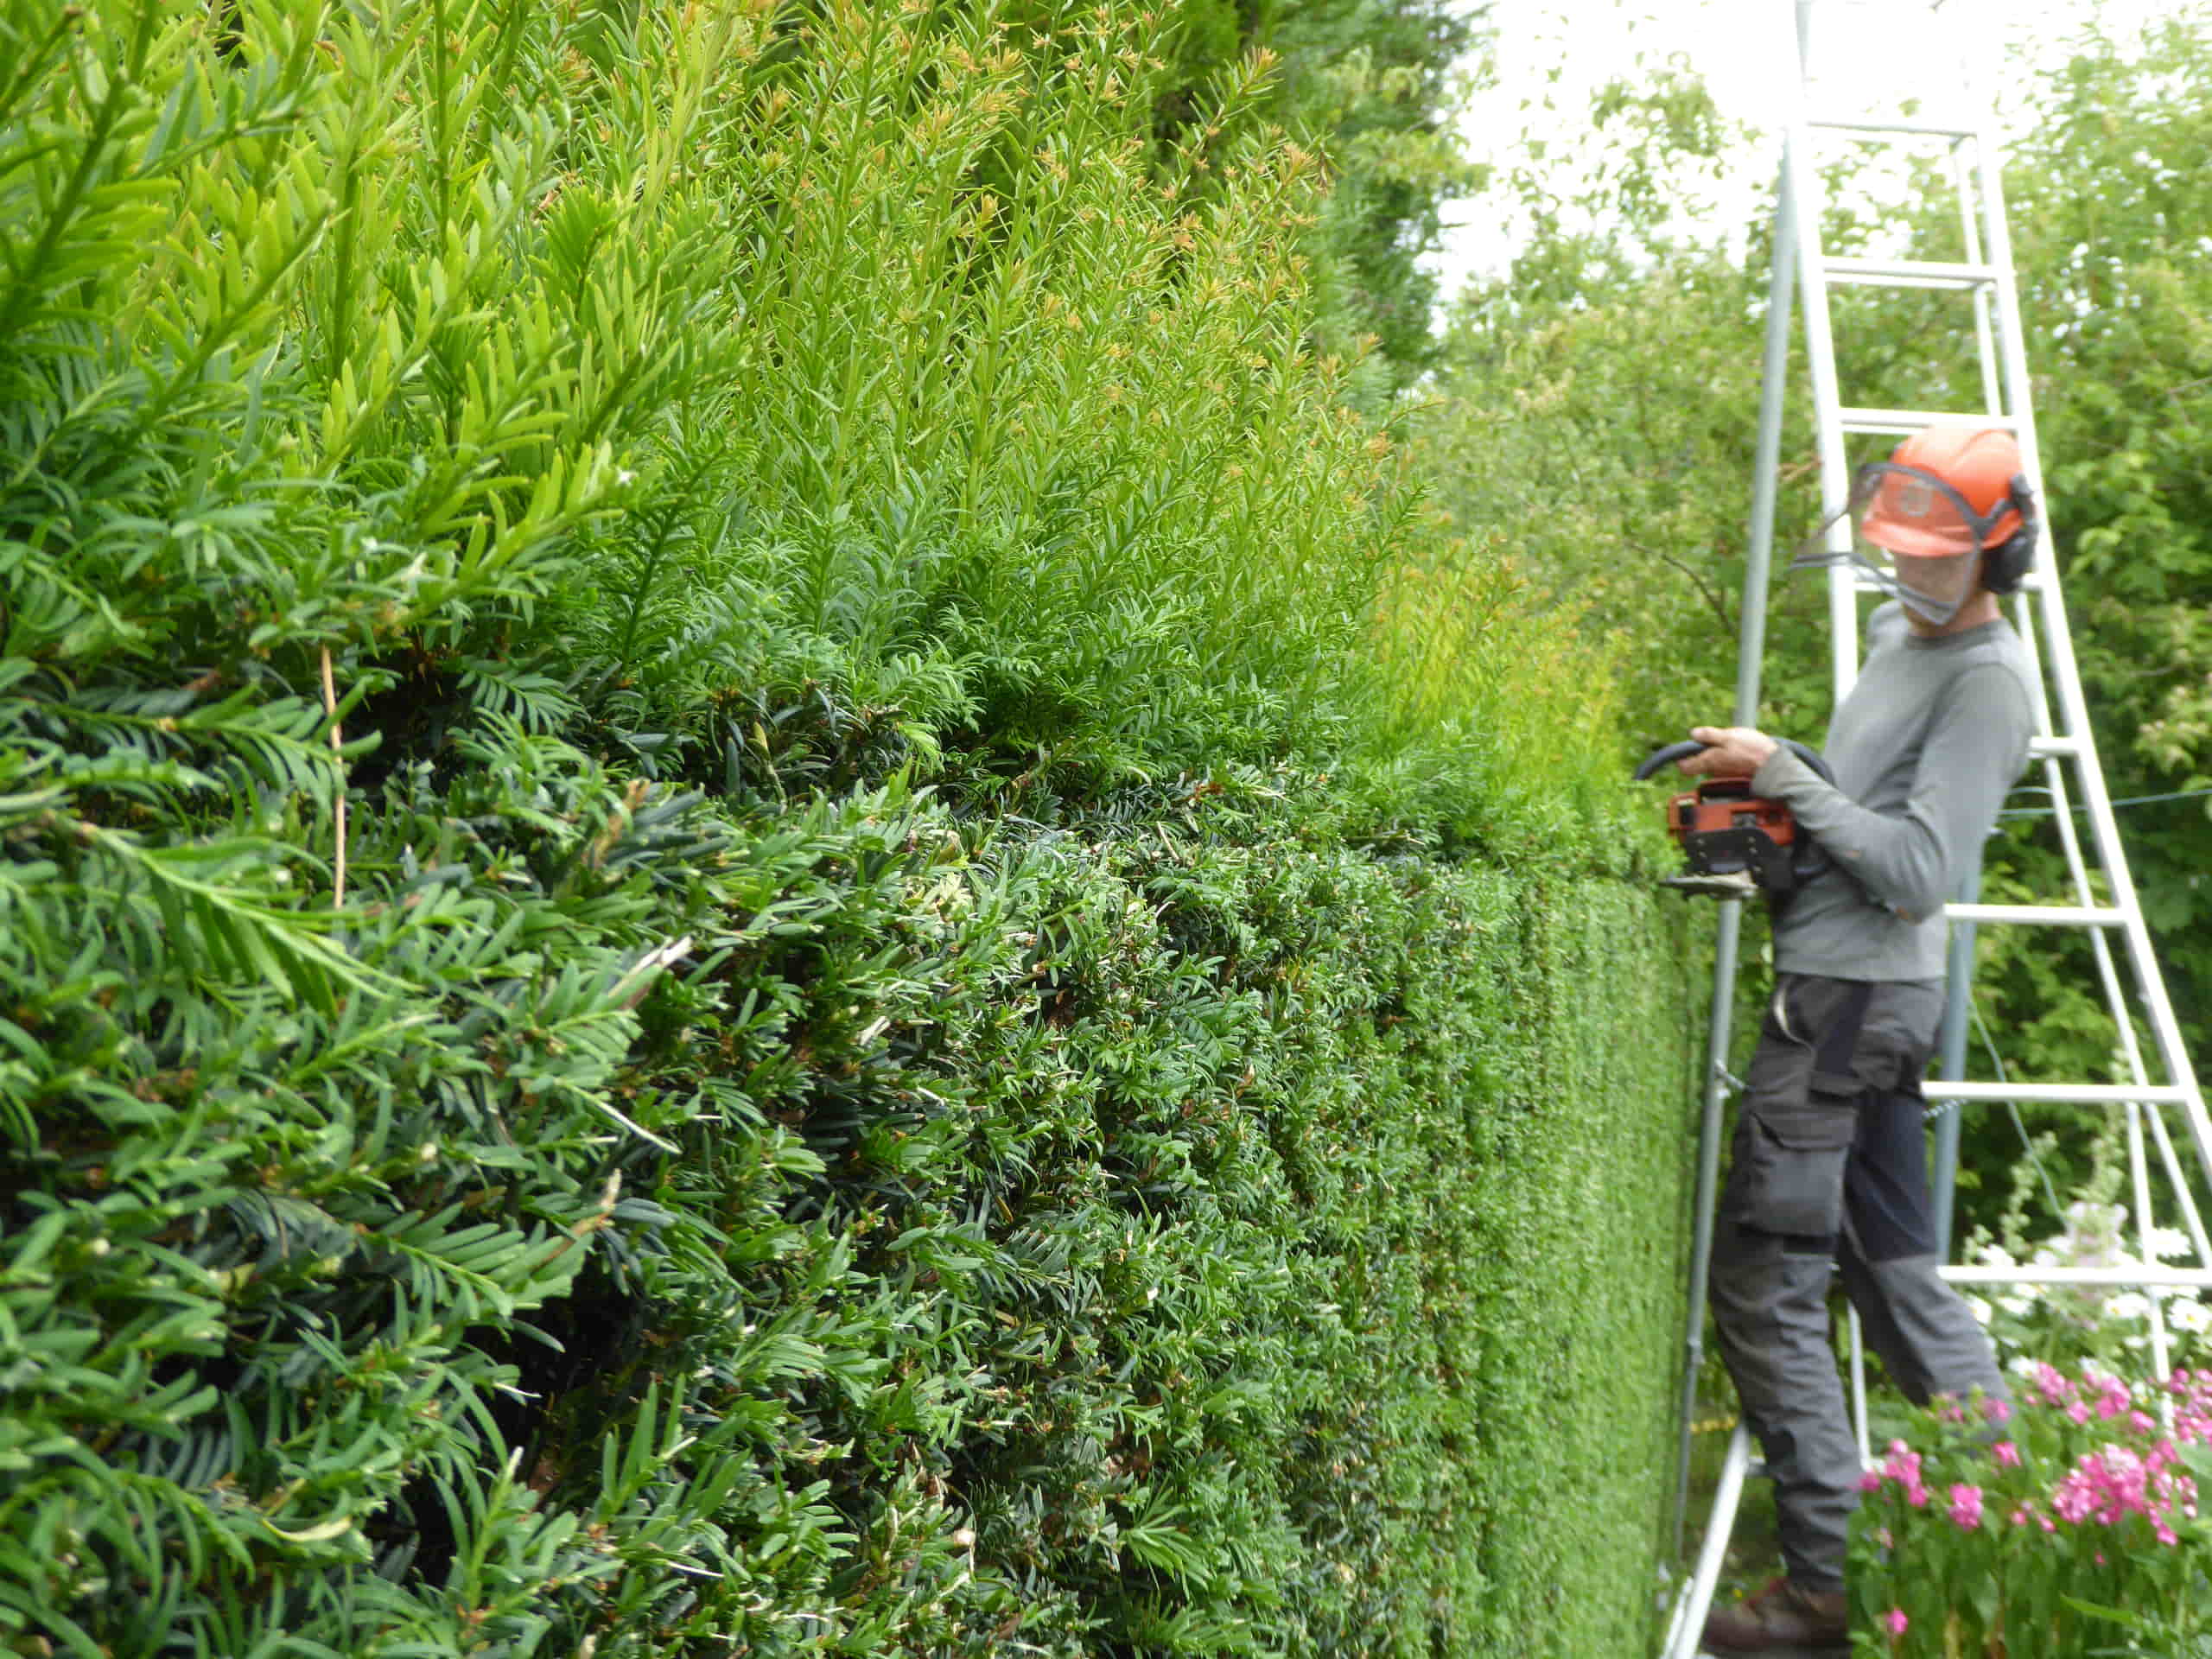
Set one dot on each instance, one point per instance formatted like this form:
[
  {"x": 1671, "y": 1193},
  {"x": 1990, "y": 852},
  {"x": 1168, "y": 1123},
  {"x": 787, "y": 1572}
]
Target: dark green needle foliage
[{"x": 760, "y": 894}]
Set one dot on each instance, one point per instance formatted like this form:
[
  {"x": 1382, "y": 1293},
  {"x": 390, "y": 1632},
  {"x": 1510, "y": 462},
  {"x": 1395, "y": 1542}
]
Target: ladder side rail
[
  {"x": 1719, "y": 1033},
  {"x": 1964, "y": 179},
  {"x": 1687, "y": 1630},
  {"x": 2104, "y": 827},
  {"x": 2192, "y": 1219},
  {"x": 1766, "y": 461},
  {"x": 1822, "y": 359},
  {"x": 1819, "y": 355},
  {"x": 2139, "y": 1171}
]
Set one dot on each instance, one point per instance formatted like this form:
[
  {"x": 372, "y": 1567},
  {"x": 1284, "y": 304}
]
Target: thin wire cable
[{"x": 2132, "y": 800}]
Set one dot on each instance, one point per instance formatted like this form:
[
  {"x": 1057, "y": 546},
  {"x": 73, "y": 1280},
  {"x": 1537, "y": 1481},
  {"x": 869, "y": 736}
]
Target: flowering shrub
[
  {"x": 2026, "y": 1530},
  {"x": 2062, "y": 1323}
]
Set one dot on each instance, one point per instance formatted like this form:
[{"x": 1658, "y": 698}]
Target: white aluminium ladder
[{"x": 2151, "y": 1086}]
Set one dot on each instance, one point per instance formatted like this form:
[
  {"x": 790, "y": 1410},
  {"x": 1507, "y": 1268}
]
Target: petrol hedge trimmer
[{"x": 1733, "y": 842}]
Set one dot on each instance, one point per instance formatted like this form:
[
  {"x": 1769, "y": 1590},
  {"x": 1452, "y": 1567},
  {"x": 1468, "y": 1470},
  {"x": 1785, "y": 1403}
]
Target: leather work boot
[{"x": 1780, "y": 1616}]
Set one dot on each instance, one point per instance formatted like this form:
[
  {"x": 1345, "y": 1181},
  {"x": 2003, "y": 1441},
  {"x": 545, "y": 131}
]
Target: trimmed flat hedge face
[{"x": 1197, "y": 1237}]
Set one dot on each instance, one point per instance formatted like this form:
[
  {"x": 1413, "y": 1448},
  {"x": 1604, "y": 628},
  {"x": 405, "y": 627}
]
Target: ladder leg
[
  {"x": 1708, "y": 1185},
  {"x": 2192, "y": 1220},
  {"x": 1688, "y": 1628},
  {"x": 2139, "y": 1172},
  {"x": 1858, "y": 1385}
]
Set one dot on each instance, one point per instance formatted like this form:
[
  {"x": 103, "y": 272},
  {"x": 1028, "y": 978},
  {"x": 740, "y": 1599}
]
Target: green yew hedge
[
  {"x": 759, "y": 893},
  {"x": 1190, "y": 1235}
]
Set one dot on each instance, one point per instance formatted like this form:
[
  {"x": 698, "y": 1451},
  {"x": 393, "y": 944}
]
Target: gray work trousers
[{"x": 1829, "y": 1167}]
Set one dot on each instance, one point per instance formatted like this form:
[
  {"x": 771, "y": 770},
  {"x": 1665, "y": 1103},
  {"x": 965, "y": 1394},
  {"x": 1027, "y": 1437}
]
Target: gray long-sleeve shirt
[{"x": 1924, "y": 747}]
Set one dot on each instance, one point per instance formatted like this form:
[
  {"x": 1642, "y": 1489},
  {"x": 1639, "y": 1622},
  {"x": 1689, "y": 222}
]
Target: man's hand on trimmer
[{"x": 1731, "y": 752}]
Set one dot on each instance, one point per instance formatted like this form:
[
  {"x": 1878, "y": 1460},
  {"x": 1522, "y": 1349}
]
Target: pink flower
[
  {"x": 1917, "y": 1495},
  {"x": 1997, "y": 1411},
  {"x": 2078, "y": 1411},
  {"x": 2008, "y": 1455},
  {"x": 1966, "y": 1507},
  {"x": 1902, "y": 1465},
  {"x": 2074, "y": 1497},
  {"x": 1896, "y": 1620},
  {"x": 2142, "y": 1421},
  {"x": 1870, "y": 1482}
]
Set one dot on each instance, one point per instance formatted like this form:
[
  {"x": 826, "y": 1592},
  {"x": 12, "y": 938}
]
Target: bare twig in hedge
[
  {"x": 631, "y": 988},
  {"x": 330, "y": 708}
]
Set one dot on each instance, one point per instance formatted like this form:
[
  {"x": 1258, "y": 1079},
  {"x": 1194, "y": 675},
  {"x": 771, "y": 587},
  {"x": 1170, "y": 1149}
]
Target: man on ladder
[{"x": 1828, "y": 1160}]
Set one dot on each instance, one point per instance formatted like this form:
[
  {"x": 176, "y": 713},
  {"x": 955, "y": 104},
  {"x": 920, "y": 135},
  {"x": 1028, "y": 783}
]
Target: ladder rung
[
  {"x": 1909, "y": 273},
  {"x": 2150, "y": 1274},
  {"x": 2056, "y": 1094},
  {"x": 1897, "y": 422},
  {"x": 2045, "y": 915},
  {"x": 1884, "y": 128},
  {"x": 2054, "y": 748}
]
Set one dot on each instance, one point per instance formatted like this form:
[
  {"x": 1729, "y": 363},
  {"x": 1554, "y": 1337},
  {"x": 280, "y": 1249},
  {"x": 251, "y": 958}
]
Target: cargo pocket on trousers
[{"x": 1795, "y": 1186}]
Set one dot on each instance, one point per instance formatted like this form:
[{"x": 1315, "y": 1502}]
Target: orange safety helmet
[
  {"x": 1980, "y": 465},
  {"x": 1954, "y": 503}
]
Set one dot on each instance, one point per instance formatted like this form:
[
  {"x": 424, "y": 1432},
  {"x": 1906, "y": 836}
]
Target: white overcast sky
[{"x": 1562, "y": 51}]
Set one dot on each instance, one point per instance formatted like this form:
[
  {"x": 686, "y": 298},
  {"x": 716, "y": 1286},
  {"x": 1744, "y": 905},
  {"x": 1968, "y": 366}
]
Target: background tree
[{"x": 1375, "y": 85}]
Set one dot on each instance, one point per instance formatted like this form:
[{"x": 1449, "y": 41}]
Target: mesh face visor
[{"x": 1914, "y": 535}]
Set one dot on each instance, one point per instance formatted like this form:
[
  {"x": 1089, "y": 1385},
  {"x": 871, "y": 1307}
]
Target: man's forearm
[
  {"x": 1899, "y": 861},
  {"x": 1911, "y": 861}
]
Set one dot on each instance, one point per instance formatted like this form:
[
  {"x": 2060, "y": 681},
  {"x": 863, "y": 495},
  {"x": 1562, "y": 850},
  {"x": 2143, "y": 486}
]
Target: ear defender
[{"x": 2006, "y": 565}]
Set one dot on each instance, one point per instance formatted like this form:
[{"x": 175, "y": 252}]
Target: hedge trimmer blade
[{"x": 1736, "y": 885}]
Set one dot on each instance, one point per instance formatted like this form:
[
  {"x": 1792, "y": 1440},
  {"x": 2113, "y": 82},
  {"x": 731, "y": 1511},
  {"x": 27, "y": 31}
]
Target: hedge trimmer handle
[{"x": 1683, "y": 751}]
